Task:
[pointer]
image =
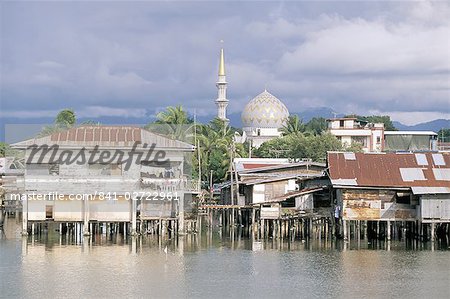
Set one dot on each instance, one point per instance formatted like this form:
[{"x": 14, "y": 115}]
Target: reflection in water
[{"x": 219, "y": 263}]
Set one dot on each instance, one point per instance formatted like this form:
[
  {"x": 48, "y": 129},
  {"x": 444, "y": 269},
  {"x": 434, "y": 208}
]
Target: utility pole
[
  {"x": 199, "y": 165},
  {"x": 211, "y": 184}
]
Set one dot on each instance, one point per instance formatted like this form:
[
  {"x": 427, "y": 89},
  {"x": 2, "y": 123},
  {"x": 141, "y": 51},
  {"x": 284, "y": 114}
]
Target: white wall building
[
  {"x": 87, "y": 190},
  {"x": 351, "y": 130}
]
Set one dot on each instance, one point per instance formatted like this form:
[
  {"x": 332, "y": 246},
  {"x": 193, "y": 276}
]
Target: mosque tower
[{"x": 221, "y": 84}]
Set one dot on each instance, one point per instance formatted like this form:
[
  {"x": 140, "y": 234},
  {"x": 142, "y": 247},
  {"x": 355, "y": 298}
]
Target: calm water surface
[{"x": 216, "y": 264}]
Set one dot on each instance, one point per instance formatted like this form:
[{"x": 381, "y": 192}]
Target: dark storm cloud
[{"x": 125, "y": 59}]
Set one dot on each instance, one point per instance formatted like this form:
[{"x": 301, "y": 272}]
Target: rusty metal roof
[
  {"x": 390, "y": 169},
  {"x": 272, "y": 167},
  {"x": 106, "y": 136}
]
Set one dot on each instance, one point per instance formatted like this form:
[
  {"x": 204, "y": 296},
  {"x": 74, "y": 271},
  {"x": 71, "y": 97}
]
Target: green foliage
[
  {"x": 65, "y": 119},
  {"x": 385, "y": 119},
  {"x": 299, "y": 147},
  {"x": 215, "y": 145},
  {"x": 355, "y": 147},
  {"x": 213, "y": 141},
  {"x": 444, "y": 135},
  {"x": 316, "y": 126},
  {"x": 173, "y": 122},
  {"x": 4, "y": 148},
  {"x": 294, "y": 125}
]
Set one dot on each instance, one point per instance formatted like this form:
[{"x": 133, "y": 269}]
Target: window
[
  {"x": 48, "y": 212},
  {"x": 378, "y": 139},
  {"x": 341, "y": 123}
]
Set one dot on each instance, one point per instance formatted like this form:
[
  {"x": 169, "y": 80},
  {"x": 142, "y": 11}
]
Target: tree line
[{"x": 214, "y": 141}]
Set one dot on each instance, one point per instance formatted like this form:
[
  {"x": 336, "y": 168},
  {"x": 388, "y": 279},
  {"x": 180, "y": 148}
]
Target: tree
[
  {"x": 317, "y": 125},
  {"x": 173, "y": 122},
  {"x": 293, "y": 125},
  {"x": 65, "y": 119},
  {"x": 444, "y": 135},
  {"x": 4, "y": 148},
  {"x": 299, "y": 147},
  {"x": 215, "y": 142},
  {"x": 385, "y": 119}
]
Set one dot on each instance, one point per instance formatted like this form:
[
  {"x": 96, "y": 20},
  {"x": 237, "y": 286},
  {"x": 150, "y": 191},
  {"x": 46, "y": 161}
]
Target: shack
[
  {"x": 391, "y": 187},
  {"x": 68, "y": 180}
]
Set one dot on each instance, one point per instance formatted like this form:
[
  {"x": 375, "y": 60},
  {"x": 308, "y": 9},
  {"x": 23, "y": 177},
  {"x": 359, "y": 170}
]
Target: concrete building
[
  {"x": 143, "y": 179},
  {"x": 374, "y": 138},
  {"x": 351, "y": 130}
]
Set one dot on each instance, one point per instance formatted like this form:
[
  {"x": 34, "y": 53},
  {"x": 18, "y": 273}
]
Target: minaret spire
[
  {"x": 222, "y": 64},
  {"x": 221, "y": 84}
]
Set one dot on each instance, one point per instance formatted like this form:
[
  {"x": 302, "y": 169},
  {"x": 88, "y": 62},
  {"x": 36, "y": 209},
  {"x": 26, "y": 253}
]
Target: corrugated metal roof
[
  {"x": 262, "y": 168},
  {"x": 428, "y": 133},
  {"x": 384, "y": 170},
  {"x": 106, "y": 136},
  {"x": 293, "y": 194}
]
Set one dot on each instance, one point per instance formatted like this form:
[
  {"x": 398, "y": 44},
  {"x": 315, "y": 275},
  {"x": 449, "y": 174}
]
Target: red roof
[
  {"x": 98, "y": 134},
  {"x": 390, "y": 169}
]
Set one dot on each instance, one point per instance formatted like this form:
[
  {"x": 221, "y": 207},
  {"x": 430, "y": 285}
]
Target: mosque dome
[{"x": 264, "y": 111}]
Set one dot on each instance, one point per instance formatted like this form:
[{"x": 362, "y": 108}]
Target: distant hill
[
  {"x": 305, "y": 115},
  {"x": 235, "y": 120},
  {"x": 434, "y": 125}
]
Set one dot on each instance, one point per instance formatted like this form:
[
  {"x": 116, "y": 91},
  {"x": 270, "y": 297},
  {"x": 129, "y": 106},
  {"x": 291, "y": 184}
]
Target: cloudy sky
[{"x": 133, "y": 59}]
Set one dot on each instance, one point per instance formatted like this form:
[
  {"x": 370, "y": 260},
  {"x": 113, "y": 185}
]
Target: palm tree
[
  {"x": 174, "y": 122},
  {"x": 293, "y": 125},
  {"x": 64, "y": 120},
  {"x": 173, "y": 115}
]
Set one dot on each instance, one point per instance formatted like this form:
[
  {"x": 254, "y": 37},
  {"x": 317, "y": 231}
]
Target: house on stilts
[{"x": 92, "y": 178}]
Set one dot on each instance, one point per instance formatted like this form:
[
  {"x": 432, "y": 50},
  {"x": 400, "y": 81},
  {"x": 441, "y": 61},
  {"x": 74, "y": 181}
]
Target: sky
[{"x": 133, "y": 59}]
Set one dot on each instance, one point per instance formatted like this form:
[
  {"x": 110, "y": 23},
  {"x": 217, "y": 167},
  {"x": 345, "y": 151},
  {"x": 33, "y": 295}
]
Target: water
[{"x": 216, "y": 265}]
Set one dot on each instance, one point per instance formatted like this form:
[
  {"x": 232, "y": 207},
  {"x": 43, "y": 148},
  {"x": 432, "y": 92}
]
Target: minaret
[{"x": 221, "y": 84}]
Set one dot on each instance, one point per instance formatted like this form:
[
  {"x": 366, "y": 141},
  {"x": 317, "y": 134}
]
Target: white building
[
  {"x": 221, "y": 101},
  {"x": 78, "y": 188},
  {"x": 351, "y": 130},
  {"x": 263, "y": 117}
]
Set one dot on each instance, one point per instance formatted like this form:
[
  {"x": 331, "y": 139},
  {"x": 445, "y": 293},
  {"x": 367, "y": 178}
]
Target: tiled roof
[{"x": 106, "y": 136}]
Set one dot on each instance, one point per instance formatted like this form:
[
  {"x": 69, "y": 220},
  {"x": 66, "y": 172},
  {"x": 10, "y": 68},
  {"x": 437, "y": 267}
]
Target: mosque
[{"x": 262, "y": 117}]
